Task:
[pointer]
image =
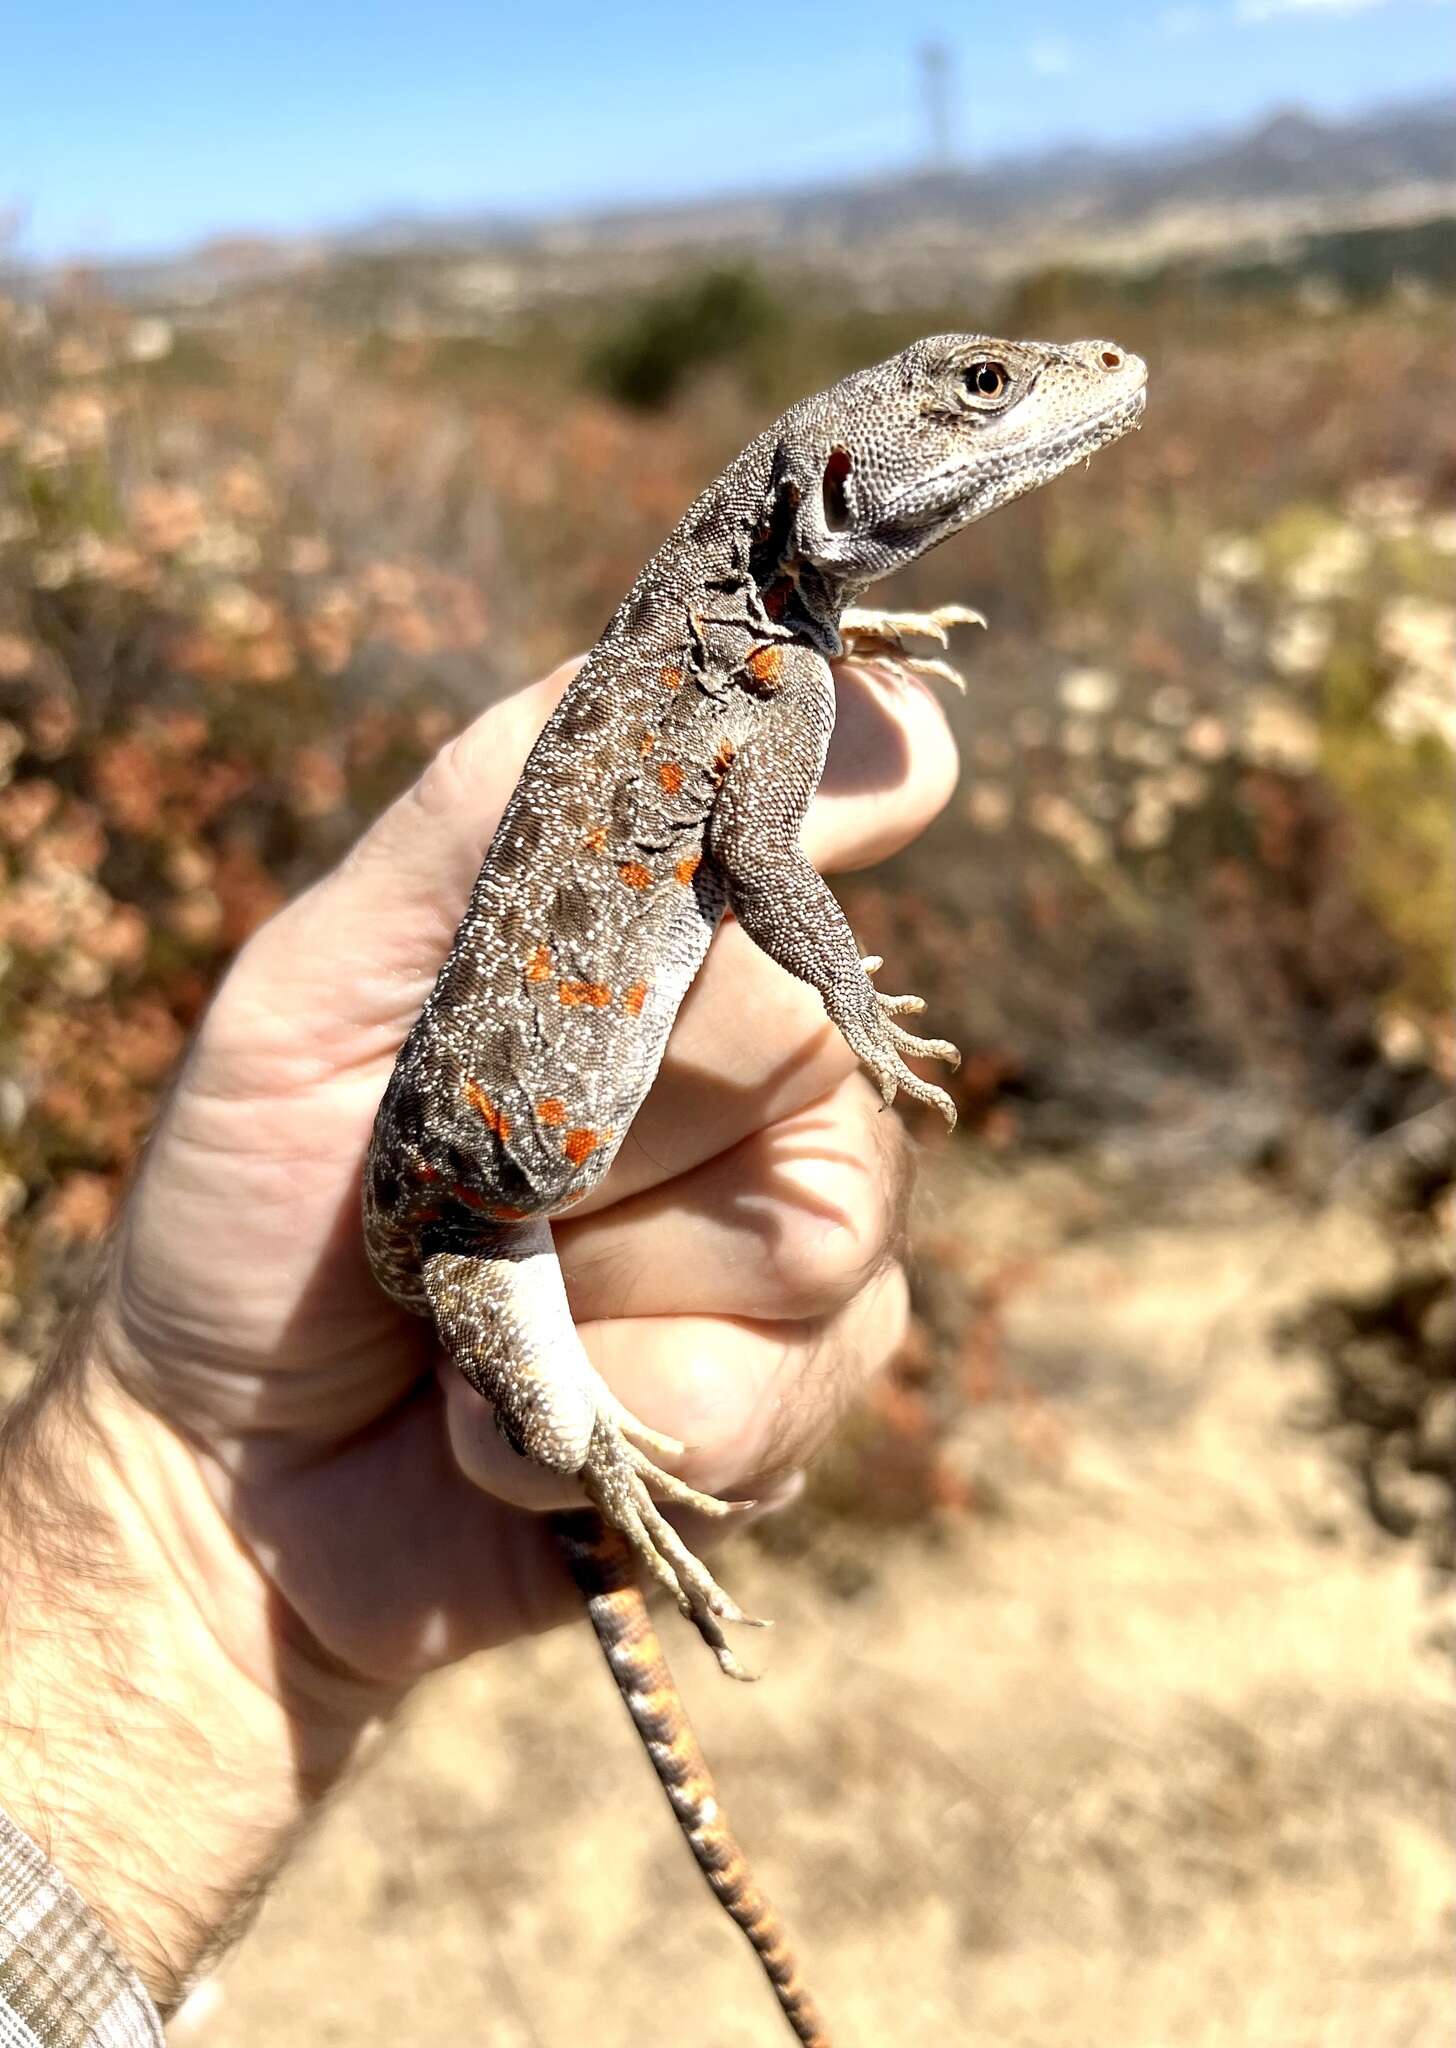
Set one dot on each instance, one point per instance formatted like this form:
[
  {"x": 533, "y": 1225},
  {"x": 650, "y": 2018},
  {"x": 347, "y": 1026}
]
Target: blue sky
[{"x": 152, "y": 123}]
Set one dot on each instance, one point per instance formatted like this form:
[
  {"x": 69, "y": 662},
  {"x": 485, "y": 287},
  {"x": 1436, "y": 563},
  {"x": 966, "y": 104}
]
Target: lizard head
[{"x": 892, "y": 460}]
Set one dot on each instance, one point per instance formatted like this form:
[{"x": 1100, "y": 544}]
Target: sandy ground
[{"x": 1153, "y": 1751}]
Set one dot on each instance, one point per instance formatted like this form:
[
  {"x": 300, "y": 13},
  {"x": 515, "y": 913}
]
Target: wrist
[{"x": 164, "y": 1725}]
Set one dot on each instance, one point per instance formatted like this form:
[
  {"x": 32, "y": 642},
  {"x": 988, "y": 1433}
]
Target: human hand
[
  {"x": 251, "y": 1507},
  {"x": 733, "y": 1276}
]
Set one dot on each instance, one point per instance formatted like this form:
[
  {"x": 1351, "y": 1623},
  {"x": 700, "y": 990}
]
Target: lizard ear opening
[
  {"x": 773, "y": 538},
  {"x": 837, "y": 514}
]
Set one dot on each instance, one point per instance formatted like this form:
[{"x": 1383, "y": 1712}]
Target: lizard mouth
[
  {"x": 1041, "y": 459},
  {"x": 1103, "y": 426}
]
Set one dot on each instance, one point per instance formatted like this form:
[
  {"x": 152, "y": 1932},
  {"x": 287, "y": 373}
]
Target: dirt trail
[{"x": 1153, "y": 1753}]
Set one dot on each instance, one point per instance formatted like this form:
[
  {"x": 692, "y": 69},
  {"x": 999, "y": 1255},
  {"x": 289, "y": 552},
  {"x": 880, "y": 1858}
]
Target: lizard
[{"x": 666, "y": 789}]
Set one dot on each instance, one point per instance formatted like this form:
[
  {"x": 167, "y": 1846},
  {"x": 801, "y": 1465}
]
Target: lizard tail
[{"x": 602, "y": 1566}]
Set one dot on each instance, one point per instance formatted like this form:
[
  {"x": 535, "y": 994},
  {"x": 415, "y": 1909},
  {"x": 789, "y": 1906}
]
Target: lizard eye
[{"x": 986, "y": 379}]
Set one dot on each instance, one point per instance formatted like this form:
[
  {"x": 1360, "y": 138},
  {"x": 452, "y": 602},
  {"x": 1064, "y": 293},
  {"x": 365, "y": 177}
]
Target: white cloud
[
  {"x": 1266, "y": 10},
  {"x": 1051, "y": 56}
]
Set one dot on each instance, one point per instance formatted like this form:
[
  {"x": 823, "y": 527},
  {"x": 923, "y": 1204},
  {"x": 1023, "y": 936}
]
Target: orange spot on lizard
[
  {"x": 647, "y": 742},
  {"x": 670, "y": 775},
  {"x": 635, "y": 875},
  {"x": 538, "y": 964},
  {"x": 593, "y": 994},
  {"x": 495, "y": 1120},
  {"x": 551, "y": 1110},
  {"x": 687, "y": 867},
  {"x": 672, "y": 678},
  {"x": 766, "y": 666},
  {"x": 580, "y": 1145},
  {"x": 596, "y": 839},
  {"x": 634, "y": 998},
  {"x": 724, "y": 758}
]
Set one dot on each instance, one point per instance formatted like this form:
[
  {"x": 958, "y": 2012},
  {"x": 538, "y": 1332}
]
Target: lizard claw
[
  {"x": 900, "y": 1079},
  {"x": 620, "y": 1481},
  {"x": 871, "y": 634},
  {"x": 885, "y": 1045},
  {"x": 938, "y": 671}
]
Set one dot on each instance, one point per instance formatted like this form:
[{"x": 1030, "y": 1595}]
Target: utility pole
[{"x": 937, "y": 72}]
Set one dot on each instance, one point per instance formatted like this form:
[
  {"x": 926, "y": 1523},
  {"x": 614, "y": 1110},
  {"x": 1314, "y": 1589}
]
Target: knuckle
[
  {"x": 885, "y": 1327},
  {"x": 447, "y": 779},
  {"x": 854, "y": 1345},
  {"x": 895, "y": 1161},
  {"x": 829, "y": 1249},
  {"x": 820, "y": 1263},
  {"x": 869, "y": 1333}
]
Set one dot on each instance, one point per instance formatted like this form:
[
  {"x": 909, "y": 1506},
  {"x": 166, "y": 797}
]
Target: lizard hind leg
[{"x": 501, "y": 1311}]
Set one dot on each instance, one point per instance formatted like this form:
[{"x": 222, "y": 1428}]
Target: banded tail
[{"x": 601, "y": 1563}]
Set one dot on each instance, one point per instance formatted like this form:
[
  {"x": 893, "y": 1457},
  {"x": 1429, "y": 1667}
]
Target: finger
[
  {"x": 892, "y": 767},
  {"x": 448, "y": 1570},
  {"x": 751, "y": 1045},
  {"x": 790, "y": 1223},
  {"x": 754, "y": 1400}
]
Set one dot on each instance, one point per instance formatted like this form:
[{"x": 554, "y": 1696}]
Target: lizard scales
[{"x": 668, "y": 786}]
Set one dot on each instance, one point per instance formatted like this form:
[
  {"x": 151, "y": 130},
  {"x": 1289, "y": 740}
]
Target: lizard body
[{"x": 669, "y": 786}]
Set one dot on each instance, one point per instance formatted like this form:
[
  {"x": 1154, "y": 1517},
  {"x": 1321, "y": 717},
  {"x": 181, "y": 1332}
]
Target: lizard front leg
[{"x": 783, "y": 905}]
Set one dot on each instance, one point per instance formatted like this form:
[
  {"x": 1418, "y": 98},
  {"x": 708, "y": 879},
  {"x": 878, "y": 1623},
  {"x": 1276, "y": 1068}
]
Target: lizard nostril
[{"x": 1111, "y": 359}]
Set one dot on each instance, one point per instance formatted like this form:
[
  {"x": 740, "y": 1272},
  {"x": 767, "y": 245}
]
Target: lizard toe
[
  {"x": 924, "y": 1048},
  {"x": 884, "y": 1046},
  {"x": 639, "y": 1433},
  {"x": 620, "y": 1482},
  {"x": 693, "y": 1576},
  {"x": 895, "y": 1077}
]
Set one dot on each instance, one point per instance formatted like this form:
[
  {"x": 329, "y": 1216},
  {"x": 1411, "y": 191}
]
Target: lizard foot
[
  {"x": 883, "y": 1045},
  {"x": 620, "y": 1482},
  {"x": 871, "y": 635},
  {"x": 644, "y": 1438}
]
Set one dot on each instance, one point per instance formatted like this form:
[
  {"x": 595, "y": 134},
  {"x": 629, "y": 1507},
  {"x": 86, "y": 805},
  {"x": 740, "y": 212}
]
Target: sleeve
[{"x": 62, "y": 1983}]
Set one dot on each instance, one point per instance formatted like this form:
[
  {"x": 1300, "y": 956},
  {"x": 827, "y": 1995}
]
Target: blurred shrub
[
  {"x": 721, "y": 316},
  {"x": 1346, "y": 266},
  {"x": 1388, "y": 1402},
  {"x": 220, "y": 652}
]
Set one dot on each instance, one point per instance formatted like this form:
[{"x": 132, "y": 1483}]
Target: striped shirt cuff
[{"x": 62, "y": 1983}]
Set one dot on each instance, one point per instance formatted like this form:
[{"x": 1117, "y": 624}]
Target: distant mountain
[
  {"x": 882, "y": 239},
  {"x": 1290, "y": 155}
]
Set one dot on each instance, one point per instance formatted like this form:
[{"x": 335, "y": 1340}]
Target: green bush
[{"x": 717, "y": 317}]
